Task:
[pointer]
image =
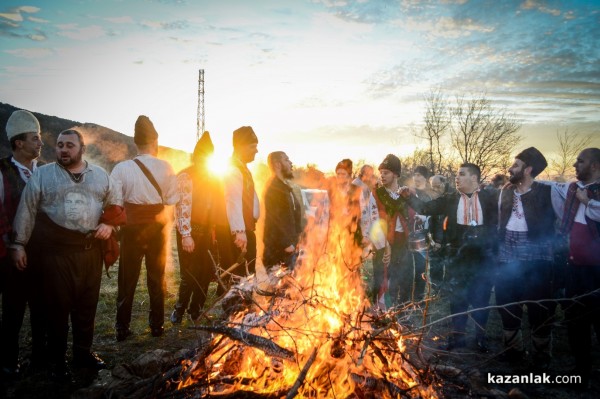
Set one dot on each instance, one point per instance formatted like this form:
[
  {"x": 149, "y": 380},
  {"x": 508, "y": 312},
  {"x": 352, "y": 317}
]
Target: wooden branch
[
  {"x": 256, "y": 341},
  {"x": 300, "y": 380}
]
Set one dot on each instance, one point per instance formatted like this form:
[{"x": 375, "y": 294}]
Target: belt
[{"x": 87, "y": 243}]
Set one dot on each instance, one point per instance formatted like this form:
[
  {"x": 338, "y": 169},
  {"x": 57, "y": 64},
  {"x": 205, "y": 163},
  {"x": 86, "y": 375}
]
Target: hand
[
  {"x": 365, "y": 242},
  {"x": 290, "y": 249},
  {"x": 241, "y": 241},
  {"x": 187, "y": 244},
  {"x": 406, "y": 191},
  {"x": 103, "y": 231},
  {"x": 387, "y": 254},
  {"x": 19, "y": 258},
  {"x": 582, "y": 196}
]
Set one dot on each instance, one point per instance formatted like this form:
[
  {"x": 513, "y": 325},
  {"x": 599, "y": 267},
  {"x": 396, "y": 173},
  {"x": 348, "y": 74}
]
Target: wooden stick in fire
[{"x": 300, "y": 380}]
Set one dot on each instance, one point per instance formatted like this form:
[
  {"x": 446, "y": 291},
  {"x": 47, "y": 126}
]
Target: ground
[{"x": 473, "y": 365}]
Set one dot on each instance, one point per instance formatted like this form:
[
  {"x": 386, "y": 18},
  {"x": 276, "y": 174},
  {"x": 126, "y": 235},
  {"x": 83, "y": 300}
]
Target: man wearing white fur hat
[{"x": 18, "y": 286}]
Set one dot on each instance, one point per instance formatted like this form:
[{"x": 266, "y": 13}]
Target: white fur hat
[{"x": 21, "y": 121}]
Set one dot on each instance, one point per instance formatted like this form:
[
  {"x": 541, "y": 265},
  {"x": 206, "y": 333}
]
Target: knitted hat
[
  {"x": 145, "y": 132},
  {"x": 204, "y": 147},
  {"x": 391, "y": 163},
  {"x": 21, "y": 121},
  {"x": 533, "y": 157},
  {"x": 244, "y": 135},
  {"x": 345, "y": 164},
  {"x": 423, "y": 171}
]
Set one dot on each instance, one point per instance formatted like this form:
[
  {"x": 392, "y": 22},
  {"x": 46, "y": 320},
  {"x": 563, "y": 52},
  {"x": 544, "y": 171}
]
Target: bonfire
[{"x": 310, "y": 333}]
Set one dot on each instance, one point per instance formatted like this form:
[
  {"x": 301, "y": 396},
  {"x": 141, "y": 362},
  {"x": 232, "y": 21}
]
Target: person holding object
[
  {"x": 388, "y": 232},
  {"x": 470, "y": 234}
]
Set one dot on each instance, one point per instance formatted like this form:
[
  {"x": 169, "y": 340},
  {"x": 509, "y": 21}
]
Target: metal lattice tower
[{"x": 200, "y": 118}]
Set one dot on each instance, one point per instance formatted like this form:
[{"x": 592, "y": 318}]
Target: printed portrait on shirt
[{"x": 77, "y": 212}]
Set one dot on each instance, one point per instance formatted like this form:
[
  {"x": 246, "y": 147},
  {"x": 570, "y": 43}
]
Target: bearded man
[
  {"x": 526, "y": 233},
  {"x": 71, "y": 258},
  {"x": 282, "y": 213},
  {"x": 578, "y": 206}
]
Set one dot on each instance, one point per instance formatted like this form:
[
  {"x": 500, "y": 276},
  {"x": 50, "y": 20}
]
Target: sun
[{"x": 218, "y": 165}]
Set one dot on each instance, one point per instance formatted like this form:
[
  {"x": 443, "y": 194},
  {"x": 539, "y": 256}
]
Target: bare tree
[
  {"x": 570, "y": 144},
  {"x": 482, "y": 134},
  {"x": 437, "y": 124}
]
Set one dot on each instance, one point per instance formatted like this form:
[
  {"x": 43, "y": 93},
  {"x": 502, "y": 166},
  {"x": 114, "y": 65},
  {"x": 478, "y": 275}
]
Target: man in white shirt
[
  {"x": 70, "y": 253},
  {"x": 525, "y": 261},
  {"x": 149, "y": 187},
  {"x": 578, "y": 206},
  {"x": 236, "y": 228}
]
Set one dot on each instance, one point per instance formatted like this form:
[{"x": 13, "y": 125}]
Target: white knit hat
[{"x": 22, "y": 121}]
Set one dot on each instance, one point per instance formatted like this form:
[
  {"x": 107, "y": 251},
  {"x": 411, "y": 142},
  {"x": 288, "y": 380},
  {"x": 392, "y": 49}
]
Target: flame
[{"x": 320, "y": 313}]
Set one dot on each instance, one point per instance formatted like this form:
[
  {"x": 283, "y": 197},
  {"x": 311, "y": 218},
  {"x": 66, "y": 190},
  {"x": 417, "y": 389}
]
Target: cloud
[
  {"x": 120, "y": 20},
  {"x": 86, "y": 33},
  {"x": 175, "y": 25},
  {"x": 38, "y": 20},
  {"x": 30, "y": 53},
  {"x": 12, "y": 16},
  {"x": 540, "y": 6}
]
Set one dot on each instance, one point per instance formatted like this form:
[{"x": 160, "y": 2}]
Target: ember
[{"x": 310, "y": 333}]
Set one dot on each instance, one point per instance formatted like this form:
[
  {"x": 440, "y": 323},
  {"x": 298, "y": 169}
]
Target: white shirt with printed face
[{"x": 75, "y": 204}]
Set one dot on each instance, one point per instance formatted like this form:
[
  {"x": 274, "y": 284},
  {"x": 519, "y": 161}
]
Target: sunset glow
[{"x": 320, "y": 80}]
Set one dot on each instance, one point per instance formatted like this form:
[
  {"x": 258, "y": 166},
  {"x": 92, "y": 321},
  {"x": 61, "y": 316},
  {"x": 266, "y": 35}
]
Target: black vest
[{"x": 537, "y": 206}]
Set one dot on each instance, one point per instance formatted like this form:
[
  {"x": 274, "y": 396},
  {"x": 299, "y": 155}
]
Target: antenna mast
[{"x": 200, "y": 118}]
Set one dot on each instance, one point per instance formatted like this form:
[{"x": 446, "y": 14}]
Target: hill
[{"x": 105, "y": 147}]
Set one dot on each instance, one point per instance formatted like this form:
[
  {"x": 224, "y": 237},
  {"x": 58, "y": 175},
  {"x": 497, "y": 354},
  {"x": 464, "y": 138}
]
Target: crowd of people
[{"x": 63, "y": 220}]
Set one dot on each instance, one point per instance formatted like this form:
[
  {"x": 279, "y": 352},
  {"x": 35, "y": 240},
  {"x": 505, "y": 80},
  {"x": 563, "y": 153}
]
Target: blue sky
[{"x": 321, "y": 79}]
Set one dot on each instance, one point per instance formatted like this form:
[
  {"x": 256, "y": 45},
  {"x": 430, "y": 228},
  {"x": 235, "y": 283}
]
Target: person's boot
[
  {"x": 88, "y": 360},
  {"x": 176, "y": 316}
]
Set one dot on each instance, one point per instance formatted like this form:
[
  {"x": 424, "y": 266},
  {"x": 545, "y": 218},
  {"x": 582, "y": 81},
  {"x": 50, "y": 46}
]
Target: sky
[{"x": 320, "y": 79}]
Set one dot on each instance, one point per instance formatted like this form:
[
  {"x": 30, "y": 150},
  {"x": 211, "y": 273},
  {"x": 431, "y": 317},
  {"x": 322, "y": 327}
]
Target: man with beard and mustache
[
  {"x": 20, "y": 287},
  {"x": 470, "y": 237},
  {"x": 282, "y": 214},
  {"x": 149, "y": 187},
  {"x": 71, "y": 259},
  {"x": 578, "y": 206},
  {"x": 526, "y": 234}
]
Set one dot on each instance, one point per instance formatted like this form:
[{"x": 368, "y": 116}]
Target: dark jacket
[
  {"x": 537, "y": 206},
  {"x": 282, "y": 221},
  {"x": 447, "y": 205}
]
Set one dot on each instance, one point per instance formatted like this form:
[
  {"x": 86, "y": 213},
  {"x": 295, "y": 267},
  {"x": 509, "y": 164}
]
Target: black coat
[
  {"x": 282, "y": 220},
  {"x": 447, "y": 205},
  {"x": 537, "y": 206}
]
